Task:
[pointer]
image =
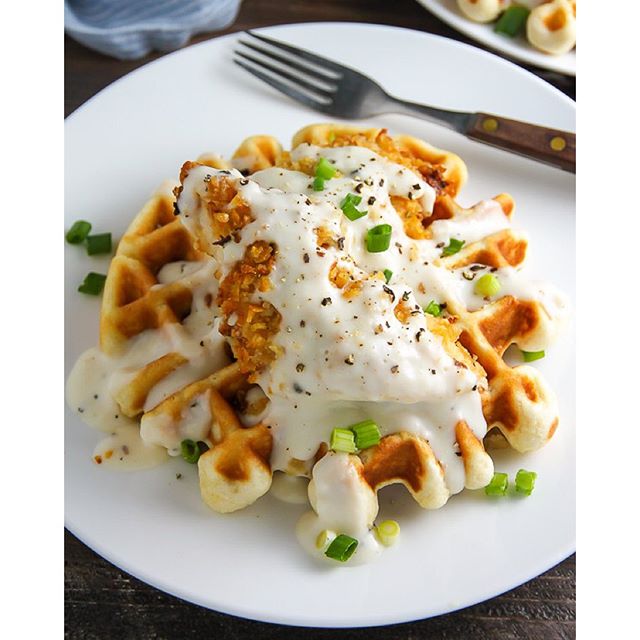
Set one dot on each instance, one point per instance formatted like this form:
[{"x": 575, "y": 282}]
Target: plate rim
[{"x": 246, "y": 612}]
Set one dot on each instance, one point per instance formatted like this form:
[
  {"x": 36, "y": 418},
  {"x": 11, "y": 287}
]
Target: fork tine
[
  {"x": 290, "y": 62},
  {"x": 283, "y": 88},
  {"x": 302, "y": 53},
  {"x": 322, "y": 92}
]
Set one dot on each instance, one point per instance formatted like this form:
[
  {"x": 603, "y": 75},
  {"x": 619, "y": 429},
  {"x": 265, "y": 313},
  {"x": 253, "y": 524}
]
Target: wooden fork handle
[{"x": 551, "y": 146}]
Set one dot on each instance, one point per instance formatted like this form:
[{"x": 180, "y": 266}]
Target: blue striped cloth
[{"x": 129, "y": 29}]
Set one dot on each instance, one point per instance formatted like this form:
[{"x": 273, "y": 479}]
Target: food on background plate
[
  {"x": 321, "y": 323},
  {"x": 549, "y": 25}
]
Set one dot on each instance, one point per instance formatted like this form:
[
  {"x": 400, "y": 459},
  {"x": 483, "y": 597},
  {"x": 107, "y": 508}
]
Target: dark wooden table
[{"x": 102, "y": 602}]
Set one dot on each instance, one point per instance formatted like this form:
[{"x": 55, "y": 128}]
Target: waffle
[
  {"x": 235, "y": 469},
  {"x": 212, "y": 338},
  {"x": 407, "y": 459},
  {"x": 132, "y": 302},
  {"x": 516, "y": 402},
  {"x": 257, "y": 153},
  {"x": 443, "y": 170}
]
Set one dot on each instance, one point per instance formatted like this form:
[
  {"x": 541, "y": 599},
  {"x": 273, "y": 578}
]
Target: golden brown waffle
[
  {"x": 516, "y": 400},
  {"x": 443, "y": 170},
  {"x": 236, "y": 470},
  {"x": 404, "y": 458},
  {"x": 131, "y": 302},
  {"x": 257, "y": 153}
]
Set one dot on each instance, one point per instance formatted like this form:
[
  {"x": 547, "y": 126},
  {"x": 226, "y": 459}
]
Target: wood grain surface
[{"x": 102, "y": 602}]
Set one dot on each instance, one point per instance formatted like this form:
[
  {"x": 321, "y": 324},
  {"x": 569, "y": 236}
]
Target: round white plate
[
  {"x": 119, "y": 146},
  {"x": 518, "y": 48}
]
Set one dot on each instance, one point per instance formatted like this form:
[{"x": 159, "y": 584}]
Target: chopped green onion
[
  {"x": 530, "y": 356},
  {"x": 367, "y": 434},
  {"x": 498, "y": 485},
  {"x": 433, "y": 308},
  {"x": 93, "y": 284},
  {"x": 525, "y": 481},
  {"x": 341, "y": 548},
  {"x": 387, "y": 275},
  {"x": 324, "y": 538},
  {"x": 379, "y": 238},
  {"x": 512, "y": 21},
  {"x": 350, "y": 199},
  {"x": 488, "y": 285},
  {"x": 343, "y": 440},
  {"x": 190, "y": 451},
  {"x": 78, "y": 232},
  {"x": 387, "y": 532},
  {"x": 453, "y": 247},
  {"x": 100, "y": 243},
  {"x": 348, "y": 206},
  {"x": 325, "y": 170},
  {"x": 352, "y": 213},
  {"x": 318, "y": 184}
]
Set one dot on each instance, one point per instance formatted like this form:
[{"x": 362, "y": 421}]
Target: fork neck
[{"x": 456, "y": 120}]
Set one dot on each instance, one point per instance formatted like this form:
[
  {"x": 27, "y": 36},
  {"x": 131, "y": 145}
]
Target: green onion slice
[
  {"x": 379, "y": 238},
  {"x": 453, "y": 247},
  {"x": 512, "y": 21},
  {"x": 433, "y": 308},
  {"x": 100, "y": 243},
  {"x": 325, "y": 170},
  {"x": 350, "y": 199},
  {"x": 343, "y": 440},
  {"x": 318, "y": 184},
  {"x": 488, "y": 285},
  {"x": 387, "y": 275},
  {"x": 341, "y": 548},
  {"x": 93, "y": 284},
  {"x": 190, "y": 451},
  {"x": 352, "y": 213},
  {"x": 387, "y": 532},
  {"x": 348, "y": 206},
  {"x": 498, "y": 485},
  {"x": 367, "y": 434},
  {"x": 525, "y": 481},
  {"x": 78, "y": 232},
  {"x": 531, "y": 356}
]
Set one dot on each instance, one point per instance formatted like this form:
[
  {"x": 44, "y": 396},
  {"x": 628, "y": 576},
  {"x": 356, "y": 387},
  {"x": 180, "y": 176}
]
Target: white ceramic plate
[
  {"x": 518, "y": 48},
  {"x": 119, "y": 146}
]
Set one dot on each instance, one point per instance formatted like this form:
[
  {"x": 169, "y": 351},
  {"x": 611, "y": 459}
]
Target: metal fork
[{"x": 332, "y": 88}]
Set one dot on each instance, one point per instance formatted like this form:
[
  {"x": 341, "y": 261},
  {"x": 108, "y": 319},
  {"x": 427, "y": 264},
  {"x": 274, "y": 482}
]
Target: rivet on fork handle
[{"x": 551, "y": 146}]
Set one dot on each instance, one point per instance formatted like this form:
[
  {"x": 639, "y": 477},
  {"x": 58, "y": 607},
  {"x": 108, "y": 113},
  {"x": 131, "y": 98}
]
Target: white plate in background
[
  {"x": 518, "y": 48},
  {"x": 121, "y": 145}
]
